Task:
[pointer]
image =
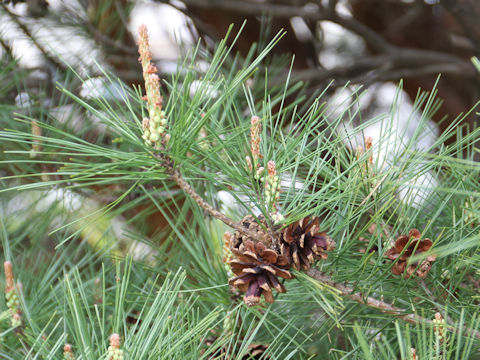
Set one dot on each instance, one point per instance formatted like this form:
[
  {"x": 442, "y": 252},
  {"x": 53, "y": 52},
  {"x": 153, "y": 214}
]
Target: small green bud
[
  {"x": 153, "y": 127},
  {"x": 16, "y": 320},
  {"x": 16, "y": 323},
  {"x": 279, "y": 218}
]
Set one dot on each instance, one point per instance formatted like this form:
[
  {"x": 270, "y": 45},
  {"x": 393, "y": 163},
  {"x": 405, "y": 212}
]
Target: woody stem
[
  {"x": 178, "y": 178},
  {"x": 378, "y": 304}
]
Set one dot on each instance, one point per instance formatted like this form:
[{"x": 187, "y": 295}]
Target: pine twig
[
  {"x": 181, "y": 182},
  {"x": 378, "y": 304},
  {"x": 155, "y": 134}
]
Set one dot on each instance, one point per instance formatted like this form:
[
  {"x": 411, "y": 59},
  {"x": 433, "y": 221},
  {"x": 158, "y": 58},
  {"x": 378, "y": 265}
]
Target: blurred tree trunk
[{"x": 467, "y": 13}]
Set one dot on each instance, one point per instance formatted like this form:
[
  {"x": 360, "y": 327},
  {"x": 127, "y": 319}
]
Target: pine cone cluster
[
  {"x": 407, "y": 246},
  {"x": 258, "y": 265}
]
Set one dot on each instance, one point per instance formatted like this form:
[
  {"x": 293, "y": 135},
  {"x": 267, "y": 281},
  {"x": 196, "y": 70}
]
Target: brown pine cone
[
  {"x": 416, "y": 246},
  {"x": 304, "y": 243},
  {"x": 256, "y": 268},
  {"x": 257, "y": 226}
]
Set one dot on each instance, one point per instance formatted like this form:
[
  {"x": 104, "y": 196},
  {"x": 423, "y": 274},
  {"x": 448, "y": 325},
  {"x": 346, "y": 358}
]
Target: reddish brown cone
[
  {"x": 304, "y": 243},
  {"x": 406, "y": 246},
  {"x": 256, "y": 268}
]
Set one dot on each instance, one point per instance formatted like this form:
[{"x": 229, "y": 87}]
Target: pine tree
[{"x": 328, "y": 226}]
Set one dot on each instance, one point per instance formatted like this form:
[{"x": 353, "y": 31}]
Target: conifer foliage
[{"x": 313, "y": 261}]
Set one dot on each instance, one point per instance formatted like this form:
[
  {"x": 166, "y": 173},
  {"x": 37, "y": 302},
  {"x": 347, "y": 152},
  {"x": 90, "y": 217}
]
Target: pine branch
[
  {"x": 313, "y": 273},
  {"x": 380, "y": 305},
  {"x": 35, "y": 42},
  {"x": 178, "y": 178},
  {"x": 7, "y": 49},
  {"x": 155, "y": 135}
]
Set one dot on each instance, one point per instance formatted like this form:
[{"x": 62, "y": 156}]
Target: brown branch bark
[
  {"x": 380, "y": 305},
  {"x": 178, "y": 178}
]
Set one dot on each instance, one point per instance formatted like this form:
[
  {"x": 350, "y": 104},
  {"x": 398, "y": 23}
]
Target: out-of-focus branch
[
  {"x": 391, "y": 63},
  {"x": 256, "y": 8},
  {"x": 382, "y": 68},
  {"x": 27, "y": 32},
  {"x": 7, "y": 48},
  {"x": 374, "y": 40},
  {"x": 315, "y": 12},
  {"x": 467, "y": 13}
]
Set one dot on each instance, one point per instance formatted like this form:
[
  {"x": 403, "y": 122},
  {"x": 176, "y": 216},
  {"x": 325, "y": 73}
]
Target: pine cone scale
[
  {"x": 305, "y": 242},
  {"x": 263, "y": 282},
  {"x": 255, "y": 271},
  {"x": 275, "y": 284}
]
